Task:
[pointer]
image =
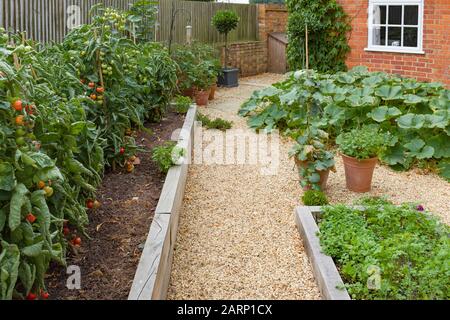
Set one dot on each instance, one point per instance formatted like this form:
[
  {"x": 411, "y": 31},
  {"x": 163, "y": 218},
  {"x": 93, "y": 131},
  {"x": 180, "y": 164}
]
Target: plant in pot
[
  {"x": 313, "y": 161},
  {"x": 186, "y": 60},
  {"x": 202, "y": 83},
  {"x": 225, "y": 21},
  {"x": 360, "y": 149}
]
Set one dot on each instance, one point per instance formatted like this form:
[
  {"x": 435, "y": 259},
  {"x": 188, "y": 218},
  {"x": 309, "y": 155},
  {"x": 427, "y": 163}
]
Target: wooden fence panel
[{"x": 46, "y": 20}]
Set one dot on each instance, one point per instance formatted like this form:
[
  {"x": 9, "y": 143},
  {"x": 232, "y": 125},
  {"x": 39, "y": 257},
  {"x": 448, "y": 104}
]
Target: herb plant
[
  {"x": 167, "y": 155},
  {"x": 218, "y": 123},
  {"x": 364, "y": 143},
  {"x": 182, "y": 104},
  {"x": 314, "y": 198},
  {"x": 388, "y": 252}
]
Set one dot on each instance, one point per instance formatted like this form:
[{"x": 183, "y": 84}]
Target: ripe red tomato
[
  {"x": 31, "y": 296},
  {"x": 100, "y": 90},
  {"x": 44, "y": 295},
  {"x": 66, "y": 231},
  {"x": 17, "y": 105},
  {"x": 77, "y": 241},
  {"x": 89, "y": 204},
  {"x": 122, "y": 150},
  {"x": 31, "y": 218},
  {"x": 91, "y": 85}
]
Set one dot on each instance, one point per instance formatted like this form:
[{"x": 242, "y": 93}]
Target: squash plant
[
  {"x": 311, "y": 150},
  {"x": 416, "y": 114}
]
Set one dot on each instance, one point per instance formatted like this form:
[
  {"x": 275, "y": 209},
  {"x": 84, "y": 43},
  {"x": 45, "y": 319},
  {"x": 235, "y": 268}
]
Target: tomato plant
[{"x": 66, "y": 111}]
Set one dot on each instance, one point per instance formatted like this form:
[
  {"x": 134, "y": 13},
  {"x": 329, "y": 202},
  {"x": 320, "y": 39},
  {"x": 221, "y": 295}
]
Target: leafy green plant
[
  {"x": 167, "y": 155},
  {"x": 327, "y": 26},
  {"x": 415, "y": 113},
  {"x": 225, "y": 21},
  {"x": 364, "y": 143},
  {"x": 217, "y": 123},
  {"x": 182, "y": 104},
  {"x": 388, "y": 252},
  {"x": 310, "y": 150},
  {"x": 314, "y": 198},
  {"x": 66, "y": 111}
]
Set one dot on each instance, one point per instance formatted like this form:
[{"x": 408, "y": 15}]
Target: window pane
[
  {"x": 411, "y": 15},
  {"x": 379, "y": 36},
  {"x": 410, "y": 37},
  {"x": 394, "y": 36},
  {"x": 395, "y": 14},
  {"x": 379, "y": 14}
]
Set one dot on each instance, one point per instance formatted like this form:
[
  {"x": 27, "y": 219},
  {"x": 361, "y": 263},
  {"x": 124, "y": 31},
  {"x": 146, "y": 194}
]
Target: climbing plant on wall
[{"x": 327, "y": 26}]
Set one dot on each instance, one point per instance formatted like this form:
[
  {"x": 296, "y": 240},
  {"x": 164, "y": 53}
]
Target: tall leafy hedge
[{"x": 327, "y": 30}]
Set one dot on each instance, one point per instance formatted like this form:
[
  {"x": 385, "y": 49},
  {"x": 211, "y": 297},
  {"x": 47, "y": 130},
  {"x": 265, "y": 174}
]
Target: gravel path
[{"x": 237, "y": 237}]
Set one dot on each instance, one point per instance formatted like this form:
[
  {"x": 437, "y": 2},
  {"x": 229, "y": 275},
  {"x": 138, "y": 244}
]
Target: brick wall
[
  {"x": 251, "y": 57},
  {"x": 271, "y": 18},
  {"x": 434, "y": 65}
]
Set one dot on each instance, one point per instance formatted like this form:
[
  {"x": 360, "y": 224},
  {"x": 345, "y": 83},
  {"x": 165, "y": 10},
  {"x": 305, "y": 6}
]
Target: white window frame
[{"x": 386, "y": 48}]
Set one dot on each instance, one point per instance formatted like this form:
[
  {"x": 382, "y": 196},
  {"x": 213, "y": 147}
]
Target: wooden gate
[{"x": 277, "y": 44}]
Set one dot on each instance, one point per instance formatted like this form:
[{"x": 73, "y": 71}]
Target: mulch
[{"x": 118, "y": 230}]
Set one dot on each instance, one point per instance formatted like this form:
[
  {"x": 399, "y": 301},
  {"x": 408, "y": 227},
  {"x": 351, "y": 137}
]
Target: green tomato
[
  {"x": 20, "y": 132},
  {"x": 20, "y": 141}
]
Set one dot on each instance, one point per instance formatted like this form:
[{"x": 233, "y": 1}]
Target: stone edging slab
[
  {"x": 151, "y": 280},
  {"x": 325, "y": 271}
]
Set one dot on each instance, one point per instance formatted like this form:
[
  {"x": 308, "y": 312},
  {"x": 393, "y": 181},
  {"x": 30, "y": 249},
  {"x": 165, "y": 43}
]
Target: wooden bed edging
[
  {"x": 151, "y": 280},
  {"x": 325, "y": 271}
]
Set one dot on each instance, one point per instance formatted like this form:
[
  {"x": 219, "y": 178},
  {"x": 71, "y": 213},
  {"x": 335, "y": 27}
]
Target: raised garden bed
[
  {"x": 119, "y": 228},
  {"x": 152, "y": 277},
  {"x": 325, "y": 271},
  {"x": 382, "y": 250}
]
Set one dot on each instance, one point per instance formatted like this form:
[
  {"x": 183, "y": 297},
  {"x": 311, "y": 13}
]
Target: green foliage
[
  {"x": 142, "y": 15},
  {"x": 311, "y": 148},
  {"x": 407, "y": 247},
  {"x": 364, "y": 143},
  {"x": 217, "y": 123},
  {"x": 314, "y": 198},
  {"x": 198, "y": 65},
  {"x": 182, "y": 104},
  {"x": 328, "y": 26},
  {"x": 62, "y": 136},
  {"x": 225, "y": 21},
  {"x": 415, "y": 114},
  {"x": 167, "y": 155}
]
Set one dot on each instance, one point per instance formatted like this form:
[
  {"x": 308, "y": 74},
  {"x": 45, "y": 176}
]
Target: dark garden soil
[{"x": 118, "y": 230}]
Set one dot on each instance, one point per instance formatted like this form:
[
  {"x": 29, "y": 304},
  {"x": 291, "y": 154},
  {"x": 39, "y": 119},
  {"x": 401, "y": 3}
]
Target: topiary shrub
[
  {"x": 314, "y": 198},
  {"x": 225, "y": 21},
  {"x": 327, "y": 35}
]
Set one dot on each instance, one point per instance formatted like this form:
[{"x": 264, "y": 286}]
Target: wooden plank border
[
  {"x": 325, "y": 271},
  {"x": 151, "y": 280}
]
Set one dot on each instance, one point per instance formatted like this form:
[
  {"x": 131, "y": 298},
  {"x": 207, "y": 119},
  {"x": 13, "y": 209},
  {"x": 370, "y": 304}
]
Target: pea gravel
[{"x": 237, "y": 237}]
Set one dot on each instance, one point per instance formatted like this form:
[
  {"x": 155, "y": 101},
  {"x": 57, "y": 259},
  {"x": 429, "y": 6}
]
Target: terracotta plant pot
[
  {"x": 323, "y": 174},
  {"x": 213, "y": 92},
  {"x": 358, "y": 173},
  {"x": 189, "y": 92},
  {"x": 201, "y": 97}
]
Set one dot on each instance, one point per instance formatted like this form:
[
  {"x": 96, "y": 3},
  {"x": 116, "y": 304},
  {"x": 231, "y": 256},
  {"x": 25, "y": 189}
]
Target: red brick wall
[
  {"x": 434, "y": 65},
  {"x": 271, "y": 18},
  {"x": 249, "y": 57}
]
